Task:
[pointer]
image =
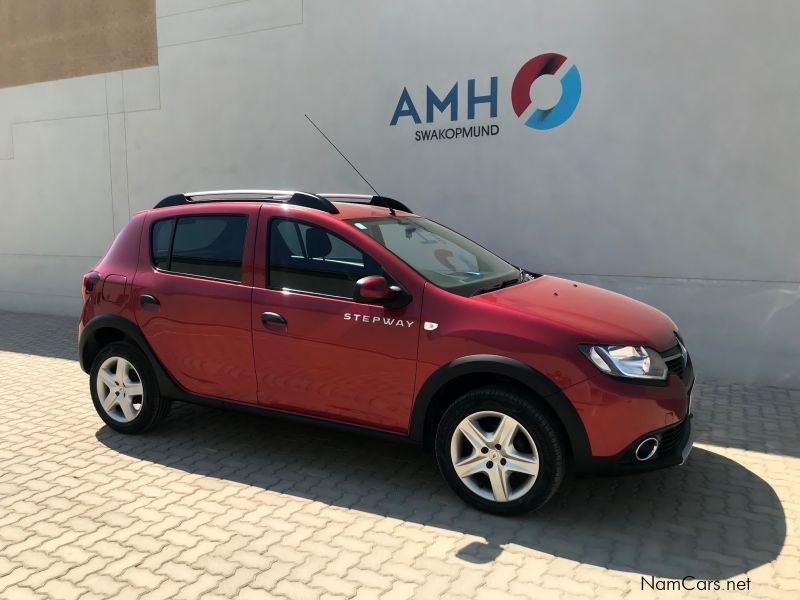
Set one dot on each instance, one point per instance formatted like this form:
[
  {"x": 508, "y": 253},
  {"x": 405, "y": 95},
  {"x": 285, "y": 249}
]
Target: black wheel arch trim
[
  {"x": 131, "y": 330},
  {"x": 511, "y": 369}
]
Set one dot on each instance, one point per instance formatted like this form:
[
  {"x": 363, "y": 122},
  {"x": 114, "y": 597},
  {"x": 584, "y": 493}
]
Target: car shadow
[{"x": 711, "y": 518}]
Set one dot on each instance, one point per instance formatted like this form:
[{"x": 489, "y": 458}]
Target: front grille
[
  {"x": 674, "y": 359},
  {"x": 670, "y": 437}
]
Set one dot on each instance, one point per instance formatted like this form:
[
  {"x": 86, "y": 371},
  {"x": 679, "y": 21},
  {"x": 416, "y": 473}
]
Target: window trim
[
  {"x": 175, "y": 219},
  {"x": 296, "y": 222}
]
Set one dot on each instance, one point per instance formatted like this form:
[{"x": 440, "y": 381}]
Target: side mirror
[{"x": 374, "y": 289}]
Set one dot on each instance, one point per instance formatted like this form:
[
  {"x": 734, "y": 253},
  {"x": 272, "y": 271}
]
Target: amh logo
[
  {"x": 406, "y": 108},
  {"x": 521, "y": 100},
  {"x": 448, "y": 104}
]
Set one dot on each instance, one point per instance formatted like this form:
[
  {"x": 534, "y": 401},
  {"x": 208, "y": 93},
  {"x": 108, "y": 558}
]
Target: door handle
[
  {"x": 272, "y": 317},
  {"x": 148, "y": 299}
]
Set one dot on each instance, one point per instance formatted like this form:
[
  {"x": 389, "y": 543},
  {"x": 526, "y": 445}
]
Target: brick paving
[{"x": 217, "y": 504}]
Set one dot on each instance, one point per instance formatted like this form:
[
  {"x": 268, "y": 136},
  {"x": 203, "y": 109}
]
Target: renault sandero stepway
[{"x": 355, "y": 312}]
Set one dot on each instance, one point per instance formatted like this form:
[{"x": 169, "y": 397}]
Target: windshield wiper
[{"x": 498, "y": 286}]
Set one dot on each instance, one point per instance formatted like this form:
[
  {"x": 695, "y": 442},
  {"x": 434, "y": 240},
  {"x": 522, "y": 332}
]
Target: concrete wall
[{"x": 674, "y": 181}]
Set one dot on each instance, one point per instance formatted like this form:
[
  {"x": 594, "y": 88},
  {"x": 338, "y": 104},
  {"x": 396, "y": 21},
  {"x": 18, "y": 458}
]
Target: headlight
[{"x": 635, "y": 362}]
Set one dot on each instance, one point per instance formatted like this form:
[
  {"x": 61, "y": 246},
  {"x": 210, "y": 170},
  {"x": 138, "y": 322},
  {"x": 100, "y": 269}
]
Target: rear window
[{"x": 204, "y": 246}]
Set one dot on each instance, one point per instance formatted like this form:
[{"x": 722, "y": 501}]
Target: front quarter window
[{"x": 442, "y": 256}]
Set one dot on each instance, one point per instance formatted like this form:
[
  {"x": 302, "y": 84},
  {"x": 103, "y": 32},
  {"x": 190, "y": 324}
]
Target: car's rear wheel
[
  {"x": 124, "y": 389},
  {"x": 500, "y": 451}
]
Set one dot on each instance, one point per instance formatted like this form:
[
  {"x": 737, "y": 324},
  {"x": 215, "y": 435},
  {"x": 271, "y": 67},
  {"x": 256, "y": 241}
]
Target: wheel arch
[
  {"x": 446, "y": 384},
  {"x": 105, "y": 329}
]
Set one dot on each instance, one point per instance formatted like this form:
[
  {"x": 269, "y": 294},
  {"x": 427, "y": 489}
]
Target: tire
[
  {"x": 527, "y": 471},
  {"x": 126, "y": 411}
]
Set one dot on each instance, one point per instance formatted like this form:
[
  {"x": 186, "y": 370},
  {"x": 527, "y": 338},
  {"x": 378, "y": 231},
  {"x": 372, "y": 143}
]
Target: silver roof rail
[
  {"x": 294, "y": 197},
  {"x": 286, "y": 196},
  {"x": 354, "y": 196},
  {"x": 239, "y": 194}
]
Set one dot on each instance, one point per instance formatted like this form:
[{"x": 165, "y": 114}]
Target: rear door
[
  {"x": 333, "y": 357},
  {"x": 193, "y": 289}
]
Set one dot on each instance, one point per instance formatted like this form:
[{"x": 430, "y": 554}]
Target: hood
[{"x": 595, "y": 315}]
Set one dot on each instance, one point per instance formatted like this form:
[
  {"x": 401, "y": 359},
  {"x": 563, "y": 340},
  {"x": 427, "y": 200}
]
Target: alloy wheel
[
  {"x": 119, "y": 389},
  {"x": 494, "y": 456}
]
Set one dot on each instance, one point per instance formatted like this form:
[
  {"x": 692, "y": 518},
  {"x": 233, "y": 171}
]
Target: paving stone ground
[{"x": 219, "y": 505}]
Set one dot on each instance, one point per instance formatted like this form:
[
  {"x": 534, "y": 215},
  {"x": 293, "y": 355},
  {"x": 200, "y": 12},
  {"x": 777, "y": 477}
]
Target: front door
[{"x": 319, "y": 352}]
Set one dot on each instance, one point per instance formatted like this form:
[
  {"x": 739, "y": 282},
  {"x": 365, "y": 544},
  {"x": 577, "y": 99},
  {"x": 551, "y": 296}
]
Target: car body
[{"x": 319, "y": 319}]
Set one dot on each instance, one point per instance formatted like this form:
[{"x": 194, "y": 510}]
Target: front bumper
[
  {"x": 615, "y": 413},
  {"x": 675, "y": 444}
]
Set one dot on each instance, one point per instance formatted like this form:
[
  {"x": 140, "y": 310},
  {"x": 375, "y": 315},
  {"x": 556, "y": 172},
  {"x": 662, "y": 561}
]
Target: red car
[{"x": 353, "y": 311}]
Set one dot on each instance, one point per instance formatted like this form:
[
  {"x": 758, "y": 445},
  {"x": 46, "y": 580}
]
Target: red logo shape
[{"x": 544, "y": 64}]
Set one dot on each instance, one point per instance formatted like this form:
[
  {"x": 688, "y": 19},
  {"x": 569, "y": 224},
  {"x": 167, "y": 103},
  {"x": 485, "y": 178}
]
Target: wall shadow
[
  {"x": 711, "y": 518},
  {"x": 41, "y": 335}
]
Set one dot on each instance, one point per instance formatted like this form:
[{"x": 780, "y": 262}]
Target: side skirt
[{"x": 285, "y": 415}]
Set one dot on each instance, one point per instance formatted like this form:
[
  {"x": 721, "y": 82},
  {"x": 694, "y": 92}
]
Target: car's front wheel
[
  {"x": 500, "y": 451},
  {"x": 124, "y": 389}
]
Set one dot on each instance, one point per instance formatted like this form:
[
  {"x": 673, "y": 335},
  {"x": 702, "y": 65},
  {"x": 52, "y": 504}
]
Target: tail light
[{"x": 90, "y": 281}]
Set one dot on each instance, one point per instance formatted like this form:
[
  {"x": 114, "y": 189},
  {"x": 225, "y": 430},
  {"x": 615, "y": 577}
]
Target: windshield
[{"x": 441, "y": 255}]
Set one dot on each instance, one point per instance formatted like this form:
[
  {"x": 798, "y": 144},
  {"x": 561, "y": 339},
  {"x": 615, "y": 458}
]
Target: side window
[
  {"x": 307, "y": 258},
  {"x": 160, "y": 241},
  {"x": 208, "y": 246}
]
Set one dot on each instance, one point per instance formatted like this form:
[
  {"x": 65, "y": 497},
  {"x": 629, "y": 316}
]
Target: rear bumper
[{"x": 675, "y": 444}]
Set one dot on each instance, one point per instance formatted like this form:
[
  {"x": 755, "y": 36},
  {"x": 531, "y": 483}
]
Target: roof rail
[
  {"x": 389, "y": 203},
  {"x": 285, "y": 196}
]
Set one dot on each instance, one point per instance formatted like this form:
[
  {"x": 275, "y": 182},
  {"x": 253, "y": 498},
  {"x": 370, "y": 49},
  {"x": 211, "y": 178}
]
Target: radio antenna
[{"x": 322, "y": 133}]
